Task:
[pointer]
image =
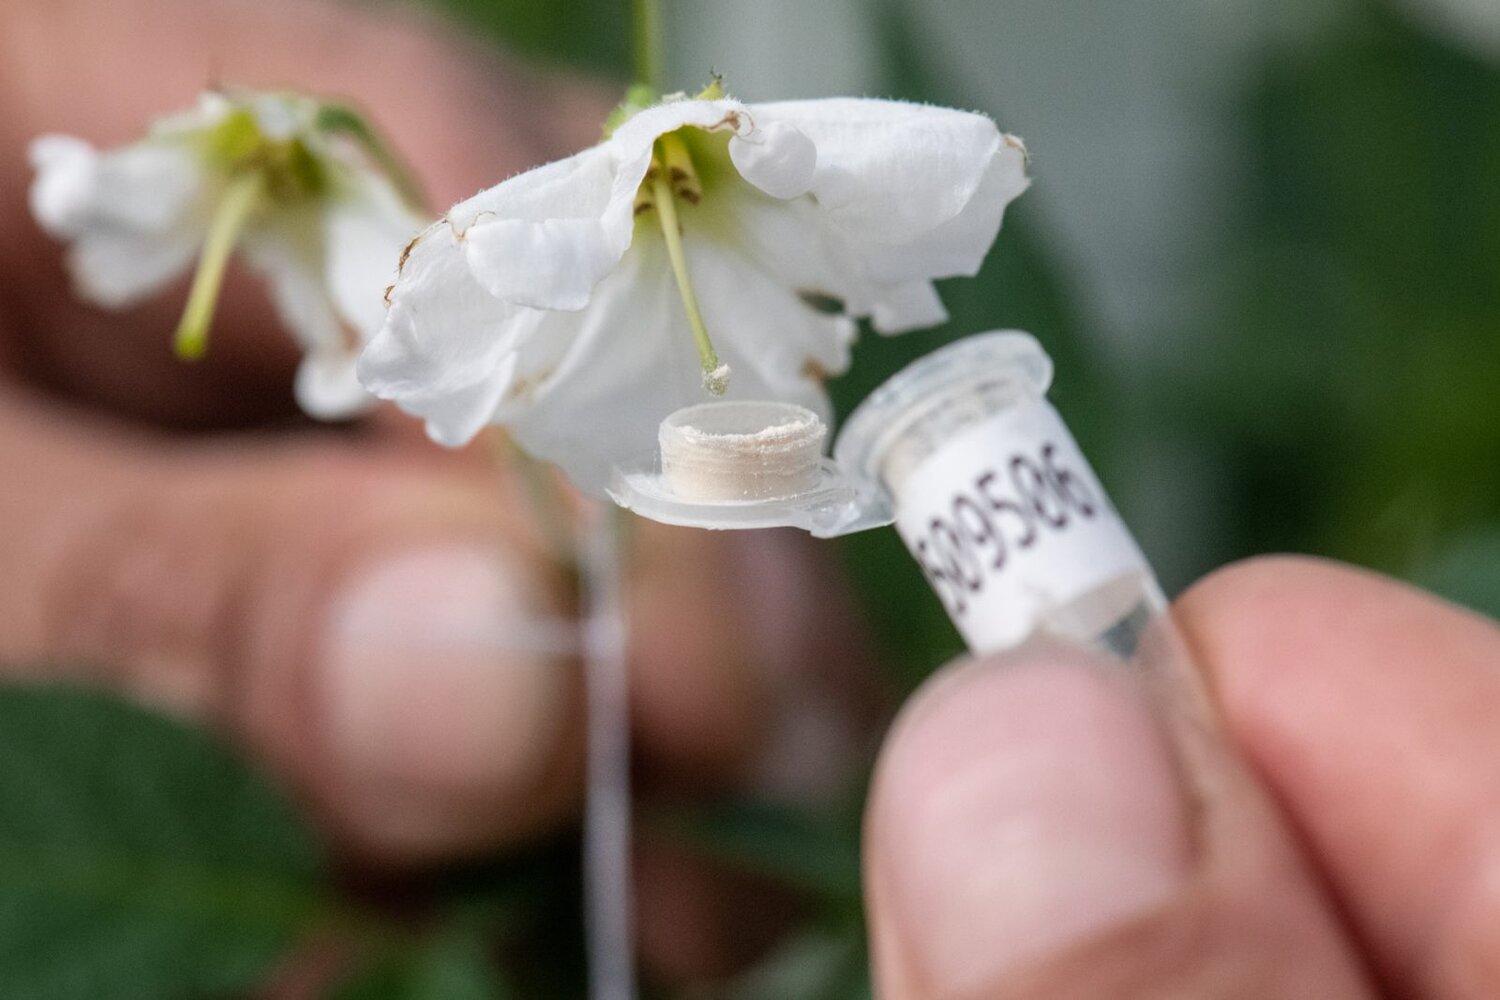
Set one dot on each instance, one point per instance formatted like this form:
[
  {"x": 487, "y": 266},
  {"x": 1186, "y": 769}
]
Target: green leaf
[
  {"x": 341, "y": 119},
  {"x": 139, "y": 860},
  {"x": 820, "y": 964},
  {"x": 775, "y": 841},
  {"x": 453, "y": 966},
  {"x": 592, "y": 35}
]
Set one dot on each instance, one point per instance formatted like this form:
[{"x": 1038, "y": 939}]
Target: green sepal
[
  {"x": 341, "y": 119},
  {"x": 638, "y": 97}
]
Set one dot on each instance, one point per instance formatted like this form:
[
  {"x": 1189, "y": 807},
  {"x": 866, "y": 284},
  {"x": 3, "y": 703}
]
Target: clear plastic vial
[{"x": 996, "y": 502}]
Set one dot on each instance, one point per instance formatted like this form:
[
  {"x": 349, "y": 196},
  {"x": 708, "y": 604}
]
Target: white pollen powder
[
  {"x": 717, "y": 381},
  {"x": 740, "y": 451}
]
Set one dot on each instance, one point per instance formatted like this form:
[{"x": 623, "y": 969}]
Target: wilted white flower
[
  {"x": 567, "y": 302},
  {"x": 302, "y": 189}
]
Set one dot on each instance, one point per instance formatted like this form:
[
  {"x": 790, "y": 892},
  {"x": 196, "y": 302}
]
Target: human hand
[{"x": 1042, "y": 827}]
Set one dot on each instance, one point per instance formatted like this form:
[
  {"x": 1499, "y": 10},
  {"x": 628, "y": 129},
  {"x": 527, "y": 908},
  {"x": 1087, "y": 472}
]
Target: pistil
[
  {"x": 672, "y": 176},
  {"x": 234, "y": 209}
]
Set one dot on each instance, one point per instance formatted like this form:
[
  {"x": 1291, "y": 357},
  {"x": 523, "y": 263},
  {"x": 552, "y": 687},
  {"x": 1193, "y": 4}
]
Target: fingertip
[
  {"x": 1020, "y": 806},
  {"x": 402, "y": 652},
  {"x": 446, "y": 697}
]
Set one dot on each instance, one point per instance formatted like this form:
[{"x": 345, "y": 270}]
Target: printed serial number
[{"x": 1006, "y": 510}]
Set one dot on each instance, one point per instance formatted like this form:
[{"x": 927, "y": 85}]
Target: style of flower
[
  {"x": 303, "y": 190},
  {"x": 566, "y": 302}
]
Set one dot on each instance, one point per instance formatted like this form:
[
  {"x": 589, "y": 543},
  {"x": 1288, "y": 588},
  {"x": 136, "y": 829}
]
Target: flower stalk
[
  {"x": 240, "y": 200},
  {"x": 646, "y": 25}
]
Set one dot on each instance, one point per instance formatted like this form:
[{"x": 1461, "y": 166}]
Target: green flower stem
[
  {"x": 240, "y": 199},
  {"x": 714, "y": 377},
  {"x": 646, "y": 24},
  {"x": 344, "y": 120}
]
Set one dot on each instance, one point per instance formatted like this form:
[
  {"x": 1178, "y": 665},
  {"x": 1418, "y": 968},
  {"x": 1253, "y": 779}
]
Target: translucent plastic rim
[
  {"x": 833, "y": 506},
  {"x": 908, "y": 396}
]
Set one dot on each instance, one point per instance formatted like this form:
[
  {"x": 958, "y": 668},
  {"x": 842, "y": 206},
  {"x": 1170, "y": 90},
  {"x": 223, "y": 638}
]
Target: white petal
[
  {"x": 290, "y": 257},
  {"x": 911, "y": 306},
  {"x": 455, "y": 418},
  {"x": 326, "y": 388},
  {"x": 150, "y": 187},
  {"x": 116, "y": 268},
  {"x": 889, "y": 171},
  {"x": 281, "y": 116},
  {"x": 365, "y": 231},
  {"x": 135, "y": 214},
  {"x": 644, "y": 128},
  {"x": 631, "y": 362},
  {"x": 67, "y": 176},
  {"x": 545, "y": 238},
  {"x": 769, "y": 336},
  {"x": 792, "y": 241},
  {"x": 443, "y": 331},
  {"x": 289, "y": 254},
  {"x": 876, "y": 274},
  {"x": 958, "y": 246},
  {"x": 777, "y": 158}
]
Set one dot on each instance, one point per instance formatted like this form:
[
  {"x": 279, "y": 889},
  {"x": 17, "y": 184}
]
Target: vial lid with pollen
[
  {"x": 745, "y": 464},
  {"x": 741, "y": 451}
]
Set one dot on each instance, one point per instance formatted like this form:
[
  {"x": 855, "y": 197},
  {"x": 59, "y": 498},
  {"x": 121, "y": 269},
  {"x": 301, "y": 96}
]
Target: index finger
[{"x": 1370, "y": 710}]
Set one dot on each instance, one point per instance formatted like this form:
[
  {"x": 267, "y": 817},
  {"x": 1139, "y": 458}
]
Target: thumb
[
  {"x": 1038, "y": 829},
  {"x": 364, "y": 620}
]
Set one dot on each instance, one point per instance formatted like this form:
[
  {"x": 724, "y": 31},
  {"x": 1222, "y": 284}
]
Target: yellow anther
[{"x": 673, "y": 154}]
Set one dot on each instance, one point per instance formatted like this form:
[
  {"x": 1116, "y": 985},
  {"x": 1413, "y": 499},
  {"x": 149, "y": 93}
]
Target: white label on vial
[{"x": 1010, "y": 525}]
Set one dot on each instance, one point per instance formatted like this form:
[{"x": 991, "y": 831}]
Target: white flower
[
  {"x": 291, "y": 183},
  {"x": 555, "y": 304}
]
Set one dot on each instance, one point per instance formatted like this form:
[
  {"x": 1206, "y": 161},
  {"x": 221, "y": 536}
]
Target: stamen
[
  {"x": 240, "y": 199},
  {"x": 715, "y": 375},
  {"x": 643, "y": 201},
  {"x": 679, "y": 163}
]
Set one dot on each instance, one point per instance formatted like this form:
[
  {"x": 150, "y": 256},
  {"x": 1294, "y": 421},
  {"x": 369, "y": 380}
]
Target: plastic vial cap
[
  {"x": 745, "y": 464},
  {"x": 922, "y": 406},
  {"x": 741, "y": 451}
]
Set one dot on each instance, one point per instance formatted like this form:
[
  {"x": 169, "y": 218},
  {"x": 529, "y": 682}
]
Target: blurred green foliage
[
  {"x": 1348, "y": 382},
  {"x": 142, "y": 859},
  {"x": 453, "y": 965},
  {"x": 138, "y": 859},
  {"x": 592, "y": 36}
]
